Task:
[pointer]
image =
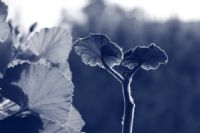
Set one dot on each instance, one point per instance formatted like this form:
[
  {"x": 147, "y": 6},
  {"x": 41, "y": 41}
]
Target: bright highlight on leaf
[
  {"x": 4, "y": 28},
  {"x": 96, "y": 47},
  {"x": 74, "y": 124},
  {"x": 148, "y": 57},
  {"x": 4, "y": 31},
  {"x": 49, "y": 93},
  {"x": 53, "y": 44},
  {"x": 75, "y": 121}
]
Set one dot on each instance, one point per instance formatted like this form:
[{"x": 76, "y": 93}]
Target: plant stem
[
  {"x": 112, "y": 71},
  {"x": 129, "y": 107}
]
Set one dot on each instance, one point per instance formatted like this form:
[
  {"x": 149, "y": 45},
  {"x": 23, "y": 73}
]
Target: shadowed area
[{"x": 29, "y": 124}]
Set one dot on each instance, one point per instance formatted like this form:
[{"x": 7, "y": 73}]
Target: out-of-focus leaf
[
  {"x": 4, "y": 27},
  {"x": 3, "y": 11},
  {"x": 74, "y": 124},
  {"x": 4, "y": 31},
  {"x": 96, "y": 47},
  {"x": 6, "y": 54},
  {"x": 32, "y": 27},
  {"x": 53, "y": 44},
  {"x": 49, "y": 93},
  {"x": 8, "y": 108},
  {"x": 149, "y": 57}
]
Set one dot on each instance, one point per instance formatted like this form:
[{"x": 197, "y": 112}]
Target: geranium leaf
[
  {"x": 74, "y": 124},
  {"x": 148, "y": 57},
  {"x": 75, "y": 120},
  {"x": 53, "y": 44},
  {"x": 96, "y": 47},
  {"x": 49, "y": 93}
]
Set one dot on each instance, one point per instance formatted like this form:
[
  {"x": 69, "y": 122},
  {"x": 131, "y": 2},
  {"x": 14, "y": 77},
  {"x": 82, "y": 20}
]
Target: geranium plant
[
  {"x": 99, "y": 50},
  {"x": 35, "y": 77}
]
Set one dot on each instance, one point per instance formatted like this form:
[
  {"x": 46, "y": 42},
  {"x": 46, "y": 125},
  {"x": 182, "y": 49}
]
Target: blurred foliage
[{"x": 166, "y": 99}]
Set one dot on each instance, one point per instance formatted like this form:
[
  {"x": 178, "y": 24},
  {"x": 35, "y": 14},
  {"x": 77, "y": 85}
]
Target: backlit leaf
[
  {"x": 53, "y": 44},
  {"x": 96, "y": 47},
  {"x": 75, "y": 120},
  {"x": 148, "y": 57},
  {"x": 49, "y": 93},
  {"x": 74, "y": 124}
]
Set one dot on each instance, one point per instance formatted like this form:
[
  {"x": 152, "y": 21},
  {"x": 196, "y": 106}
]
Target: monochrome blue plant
[
  {"x": 35, "y": 77},
  {"x": 98, "y": 50}
]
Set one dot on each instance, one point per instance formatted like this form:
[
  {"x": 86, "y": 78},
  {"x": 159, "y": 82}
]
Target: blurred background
[{"x": 167, "y": 99}]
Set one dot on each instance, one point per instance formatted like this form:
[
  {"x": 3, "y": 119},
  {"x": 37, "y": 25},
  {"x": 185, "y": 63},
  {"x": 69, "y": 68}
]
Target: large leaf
[
  {"x": 148, "y": 57},
  {"x": 53, "y": 44},
  {"x": 96, "y": 47},
  {"x": 49, "y": 93},
  {"x": 4, "y": 28},
  {"x": 74, "y": 124}
]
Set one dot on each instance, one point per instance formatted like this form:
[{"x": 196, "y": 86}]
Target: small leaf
[
  {"x": 148, "y": 57},
  {"x": 53, "y": 44},
  {"x": 49, "y": 93},
  {"x": 96, "y": 47}
]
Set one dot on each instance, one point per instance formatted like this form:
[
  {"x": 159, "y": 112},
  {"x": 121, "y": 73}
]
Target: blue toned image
[{"x": 99, "y": 66}]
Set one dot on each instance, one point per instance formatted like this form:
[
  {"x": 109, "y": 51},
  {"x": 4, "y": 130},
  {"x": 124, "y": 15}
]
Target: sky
[{"x": 47, "y": 12}]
